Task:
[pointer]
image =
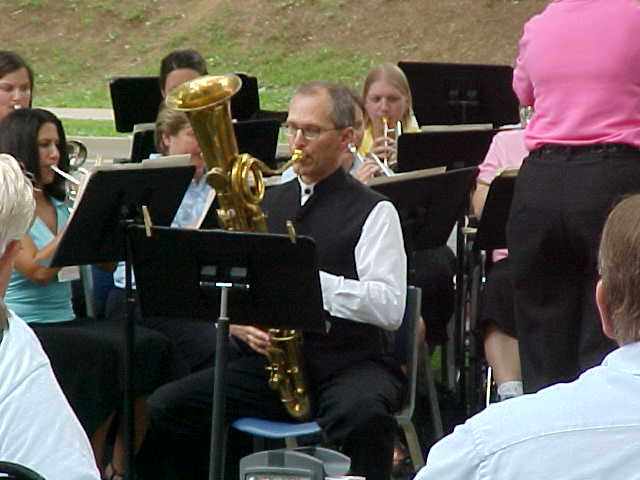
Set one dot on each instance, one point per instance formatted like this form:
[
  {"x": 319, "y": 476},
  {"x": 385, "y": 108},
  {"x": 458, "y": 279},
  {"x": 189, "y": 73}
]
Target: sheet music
[
  {"x": 158, "y": 162},
  {"x": 400, "y": 177}
]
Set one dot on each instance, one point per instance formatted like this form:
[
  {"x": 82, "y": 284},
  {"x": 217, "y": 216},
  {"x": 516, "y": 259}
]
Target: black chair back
[{"x": 15, "y": 471}]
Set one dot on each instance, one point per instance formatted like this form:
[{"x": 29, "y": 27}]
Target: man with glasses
[
  {"x": 356, "y": 386},
  {"x": 350, "y": 159}
]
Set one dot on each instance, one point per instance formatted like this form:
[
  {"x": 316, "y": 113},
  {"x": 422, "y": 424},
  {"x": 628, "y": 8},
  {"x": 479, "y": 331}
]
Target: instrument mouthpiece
[{"x": 297, "y": 156}]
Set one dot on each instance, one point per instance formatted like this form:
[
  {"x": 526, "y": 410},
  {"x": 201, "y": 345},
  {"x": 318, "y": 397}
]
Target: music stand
[
  {"x": 491, "y": 233},
  {"x": 246, "y": 102},
  {"x": 258, "y": 138},
  {"x": 253, "y": 278},
  {"x": 136, "y": 100},
  {"x": 97, "y": 232},
  {"x": 454, "y": 149},
  {"x": 429, "y": 206},
  {"x": 450, "y": 93}
]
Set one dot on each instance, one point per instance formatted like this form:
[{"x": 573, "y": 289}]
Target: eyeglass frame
[{"x": 290, "y": 131}]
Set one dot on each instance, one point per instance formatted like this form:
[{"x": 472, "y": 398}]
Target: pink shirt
[
  {"x": 579, "y": 67},
  {"x": 506, "y": 150}
]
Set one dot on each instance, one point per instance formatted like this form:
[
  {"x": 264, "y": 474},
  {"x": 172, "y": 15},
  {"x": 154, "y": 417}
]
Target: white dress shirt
[
  {"x": 378, "y": 296},
  {"x": 586, "y": 429},
  {"x": 38, "y": 429}
]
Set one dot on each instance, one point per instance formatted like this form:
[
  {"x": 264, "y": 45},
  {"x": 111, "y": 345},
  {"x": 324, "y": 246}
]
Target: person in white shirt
[
  {"x": 589, "y": 428},
  {"x": 38, "y": 429}
]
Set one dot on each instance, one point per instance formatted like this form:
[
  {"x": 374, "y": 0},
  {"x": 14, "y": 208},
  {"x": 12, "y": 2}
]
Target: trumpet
[
  {"x": 71, "y": 185},
  {"x": 77, "y": 152},
  {"x": 390, "y": 135},
  {"x": 385, "y": 169}
]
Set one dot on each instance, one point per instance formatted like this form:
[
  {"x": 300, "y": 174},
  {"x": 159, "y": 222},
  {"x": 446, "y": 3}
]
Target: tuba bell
[{"x": 238, "y": 181}]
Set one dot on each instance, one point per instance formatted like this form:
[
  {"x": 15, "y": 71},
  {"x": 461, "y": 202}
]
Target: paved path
[{"x": 82, "y": 113}]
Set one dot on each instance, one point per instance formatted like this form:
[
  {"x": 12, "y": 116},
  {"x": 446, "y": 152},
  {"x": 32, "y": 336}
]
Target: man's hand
[{"x": 256, "y": 338}]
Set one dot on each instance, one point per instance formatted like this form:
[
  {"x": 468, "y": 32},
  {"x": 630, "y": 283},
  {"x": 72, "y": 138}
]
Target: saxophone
[{"x": 238, "y": 181}]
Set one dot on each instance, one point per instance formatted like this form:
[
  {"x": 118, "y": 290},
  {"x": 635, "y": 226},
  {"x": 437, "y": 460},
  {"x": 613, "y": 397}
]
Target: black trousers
[
  {"x": 433, "y": 271},
  {"x": 86, "y": 357},
  {"x": 194, "y": 339},
  {"x": 497, "y": 305},
  {"x": 355, "y": 409},
  {"x": 560, "y": 204}
]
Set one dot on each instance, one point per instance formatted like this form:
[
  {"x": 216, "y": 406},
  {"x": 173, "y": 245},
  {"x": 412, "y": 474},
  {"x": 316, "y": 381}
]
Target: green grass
[
  {"x": 93, "y": 128},
  {"x": 276, "y": 55}
]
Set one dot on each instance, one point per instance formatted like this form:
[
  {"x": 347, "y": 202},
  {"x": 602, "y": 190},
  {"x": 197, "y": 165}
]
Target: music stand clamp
[{"x": 253, "y": 278}]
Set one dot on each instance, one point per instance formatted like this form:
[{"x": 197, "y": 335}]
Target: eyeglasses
[{"x": 309, "y": 133}]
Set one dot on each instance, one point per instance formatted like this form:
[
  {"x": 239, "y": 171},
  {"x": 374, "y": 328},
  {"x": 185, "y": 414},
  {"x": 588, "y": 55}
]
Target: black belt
[{"x": 595, "y": 148}]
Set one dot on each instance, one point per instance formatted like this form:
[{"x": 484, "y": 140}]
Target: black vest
[{"x": 333, "y": 216}]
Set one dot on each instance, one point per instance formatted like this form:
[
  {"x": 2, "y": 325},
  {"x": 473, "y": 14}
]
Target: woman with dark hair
[
  {"x": 16, "y": 83},
  {"x": 180, "y": 66},
  {"x": 85, "y": 355}
]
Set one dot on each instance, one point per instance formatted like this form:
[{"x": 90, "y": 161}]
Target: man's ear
[
  {"x": 603, "y": 308},
  {"x": 347, "y": 136}
]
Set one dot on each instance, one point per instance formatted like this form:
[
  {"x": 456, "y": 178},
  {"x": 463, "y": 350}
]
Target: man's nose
[{"x": 298, "y": 140}]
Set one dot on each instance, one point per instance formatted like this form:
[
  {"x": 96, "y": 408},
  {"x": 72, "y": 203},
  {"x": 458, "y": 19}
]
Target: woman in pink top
[{"x": 579, "y": 67}]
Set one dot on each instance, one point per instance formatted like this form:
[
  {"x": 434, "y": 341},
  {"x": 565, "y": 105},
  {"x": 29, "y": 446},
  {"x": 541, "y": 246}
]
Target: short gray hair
[
  {"x": 343, "y": 101},
  {"x": 17, "y": 207}
]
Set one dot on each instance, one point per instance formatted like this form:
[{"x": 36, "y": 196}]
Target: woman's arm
[
  {"x": 28, "y": 257},
  {"x": 479, "y": 197}
]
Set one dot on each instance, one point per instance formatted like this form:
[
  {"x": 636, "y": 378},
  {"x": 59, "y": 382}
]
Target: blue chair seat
[{"x": 269, "y": 429}]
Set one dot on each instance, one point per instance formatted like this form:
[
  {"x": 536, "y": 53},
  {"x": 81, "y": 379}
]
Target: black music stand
[
  {"x": 450, "y": 93},
  {"x": 429, "y": 206},
  {"x": 491, "y": 233},
  {"x": 453, "y": 149},
  {"x": 136, "y": 100},
  {"x": 258, "y": 138},
  {"x": 98, "y": 232},
  {"x": 253, "y": 278}
]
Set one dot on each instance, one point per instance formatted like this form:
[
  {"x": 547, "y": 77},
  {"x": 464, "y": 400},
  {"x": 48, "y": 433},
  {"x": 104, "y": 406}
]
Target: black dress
[{"x": 87, "y": 358}]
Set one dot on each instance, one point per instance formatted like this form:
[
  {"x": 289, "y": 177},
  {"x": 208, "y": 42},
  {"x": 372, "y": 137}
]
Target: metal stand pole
[
  {"x": 216, "y": 467},
  {"x": 129, "y": 346}
]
